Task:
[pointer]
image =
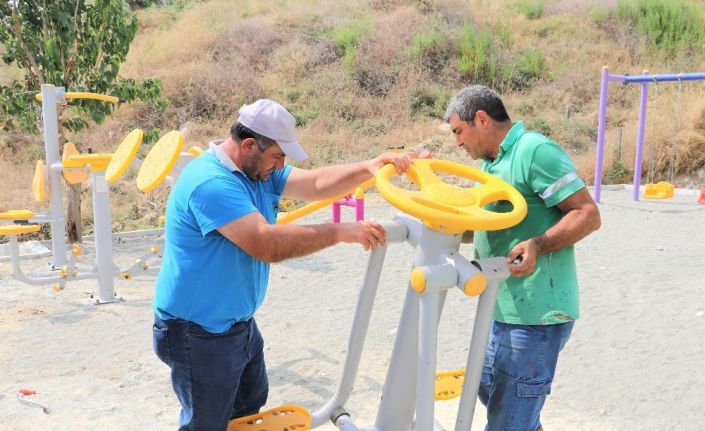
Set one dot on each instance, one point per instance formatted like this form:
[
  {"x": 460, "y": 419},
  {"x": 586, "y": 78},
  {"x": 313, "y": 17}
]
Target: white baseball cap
[{"x": 270, "y": 119}]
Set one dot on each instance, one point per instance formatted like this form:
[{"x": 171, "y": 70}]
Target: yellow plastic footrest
[
  {"x": 449, "y": 384},
  {"x": 660, "y": 190},
  {"x": 17, "y": 229},
  {"x": 16, "y": 215},
  {"x": 284, "y": 418}
]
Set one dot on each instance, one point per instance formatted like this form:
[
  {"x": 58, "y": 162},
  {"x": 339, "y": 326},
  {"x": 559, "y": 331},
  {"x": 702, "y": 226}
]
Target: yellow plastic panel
[
  {"x": 16, "y": 215},
  {"x": 39, "y": 182},
  {"x": 160, "y": 161},
  {"x": 98, "y": 161},
  {"x": 72, "y": 176},
  {"x": 284, "y": 418},
  {"x": 123, "y": 156},
  {"x": 17, "y": 229}
]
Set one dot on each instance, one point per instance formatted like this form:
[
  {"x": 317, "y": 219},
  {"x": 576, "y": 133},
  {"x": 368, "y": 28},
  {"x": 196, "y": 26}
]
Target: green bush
[
  {"x": 669, "y": 26},
  {"x": 531, "y": 9},
  {"x": 347, "y": 38},
  {"x": 429, "y": 101},
  {"x": 617, "y": 172},
  {"x": 529, "y": 68},
  {"x": 430, "y": 50},
  {"x": 479, "y": 55}
]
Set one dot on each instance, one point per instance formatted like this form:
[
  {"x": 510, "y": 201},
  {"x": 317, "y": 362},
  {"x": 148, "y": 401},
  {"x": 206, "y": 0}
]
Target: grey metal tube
[{"x": 356, "y": 342}]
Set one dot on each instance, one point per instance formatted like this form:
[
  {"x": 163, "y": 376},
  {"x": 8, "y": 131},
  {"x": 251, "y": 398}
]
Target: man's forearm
[
  {"x": 289, "y": 241},
  {"x": 573, "y": 226},
  {"x": 335, "y": 180}
]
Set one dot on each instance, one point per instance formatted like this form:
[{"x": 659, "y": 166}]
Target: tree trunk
[{"x": 73, "y": 197}]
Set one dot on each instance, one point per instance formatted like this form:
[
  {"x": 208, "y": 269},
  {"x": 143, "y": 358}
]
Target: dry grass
[{"x": 215, "y": 55}]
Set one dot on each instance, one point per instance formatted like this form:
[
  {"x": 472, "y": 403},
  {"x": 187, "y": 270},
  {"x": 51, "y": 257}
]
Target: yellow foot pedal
[
  {"x": 449, "y": 384},
  {"x": 284, "y": 418}
]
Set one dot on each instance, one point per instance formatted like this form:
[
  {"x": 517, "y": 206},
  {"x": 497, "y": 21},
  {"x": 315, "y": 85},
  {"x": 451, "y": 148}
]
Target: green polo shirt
[{"x": 544, "y": 174}]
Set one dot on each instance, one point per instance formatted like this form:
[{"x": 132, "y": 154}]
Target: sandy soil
[{"x": 636, "y": 360}]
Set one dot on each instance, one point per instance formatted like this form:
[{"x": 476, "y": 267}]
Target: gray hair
[{"x": 474, "y": 98}]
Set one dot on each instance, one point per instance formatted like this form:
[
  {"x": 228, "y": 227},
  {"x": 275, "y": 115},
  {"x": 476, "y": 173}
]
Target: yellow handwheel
[
  {"x": 123, "y": 156},
  {"x": 448, "y": 208}
]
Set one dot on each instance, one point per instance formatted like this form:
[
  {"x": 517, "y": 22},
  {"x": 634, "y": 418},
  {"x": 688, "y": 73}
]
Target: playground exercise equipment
[
  {"x": 433, "y": 221},
  {"x": 104, "y": 169},
  {"x": 356, "y": 199},
  {"x": 644, "y": 80},
  {"x": 660, "y": 190}
]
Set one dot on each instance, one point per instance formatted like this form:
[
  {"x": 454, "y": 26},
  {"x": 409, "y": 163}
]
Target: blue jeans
[
  {"x": 518, "y": 372},
  {"x": 216, "y": 377}
]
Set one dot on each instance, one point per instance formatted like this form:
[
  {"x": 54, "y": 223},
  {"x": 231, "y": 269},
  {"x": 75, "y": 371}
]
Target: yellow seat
[
  {"x": 16, "y": 215},
  {"x": 72, "y": 176},
  {"x": 123, "y": 156},
  {"x": 160, "y": 161},
  {"x": 449, "y": 384},
  {"x": 18, "y": 229},
  {"x": 660, "y": 190},
  {"x": 98, "y": 162},
  {"x": 284, "y": 418},
  {"x": 39, "y": 189}
]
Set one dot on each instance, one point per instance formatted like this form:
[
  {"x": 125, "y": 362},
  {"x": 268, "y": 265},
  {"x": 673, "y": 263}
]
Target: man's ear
[
  {"x": 482, "y": 118},
  {"x": 249, "y": 144}
]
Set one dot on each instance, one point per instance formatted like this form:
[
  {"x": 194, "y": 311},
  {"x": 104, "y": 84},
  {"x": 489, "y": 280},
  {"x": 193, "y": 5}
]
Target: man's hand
[
  {"x": 522, "y": 258},
  {"x": 400, "y": 161},
  {"x": 368, "y": 233}
]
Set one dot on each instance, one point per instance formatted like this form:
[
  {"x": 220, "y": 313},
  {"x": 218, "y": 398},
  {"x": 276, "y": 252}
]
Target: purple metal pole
[
  {"x": 640, "y": 140},
  {"x": 601, "y": 120},
  {"x": 336, "y": 212},
  {"x": 359, "y": 209}
]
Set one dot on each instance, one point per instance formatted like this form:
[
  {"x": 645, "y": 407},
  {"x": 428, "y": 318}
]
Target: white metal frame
[{"x": 408, "y": 396}]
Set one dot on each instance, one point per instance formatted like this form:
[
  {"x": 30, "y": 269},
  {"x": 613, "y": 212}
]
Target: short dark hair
[
  {"x": 474, "y": 98},
  {"x": 240, "y": 132}
]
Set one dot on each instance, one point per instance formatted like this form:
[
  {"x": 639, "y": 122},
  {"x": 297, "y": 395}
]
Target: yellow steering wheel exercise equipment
[{"x": 448, "y": 208}]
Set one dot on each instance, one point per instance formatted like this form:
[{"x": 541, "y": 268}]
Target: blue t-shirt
[{"x": 205, "y": 278}]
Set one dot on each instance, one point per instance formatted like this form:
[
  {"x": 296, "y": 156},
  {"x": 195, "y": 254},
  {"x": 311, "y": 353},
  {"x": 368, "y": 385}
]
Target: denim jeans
[
  {"x": 518, "y": 372},
  {"x": 216, "y": 377}
]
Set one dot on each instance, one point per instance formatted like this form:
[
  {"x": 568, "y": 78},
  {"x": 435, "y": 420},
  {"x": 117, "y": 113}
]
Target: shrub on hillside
[
  {"x": 430, "y": 51},
  {"x": 669, "y": 26},
  {"x": 531, "y": 9},
  {"x": 429, "y": 101}
]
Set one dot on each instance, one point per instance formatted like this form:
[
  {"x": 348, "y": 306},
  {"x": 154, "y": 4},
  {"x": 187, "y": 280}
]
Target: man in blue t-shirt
[
  {"x": 221, "y": 236},
  {"x": 537, "y": 306}
]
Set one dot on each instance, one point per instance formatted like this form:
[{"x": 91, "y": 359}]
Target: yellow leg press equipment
[
  {"x": 449, "y": 384},
  {"x": 284, "y": 418}
]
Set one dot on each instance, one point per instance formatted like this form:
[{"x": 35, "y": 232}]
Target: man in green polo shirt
[{"x": 537, "y": 306}]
